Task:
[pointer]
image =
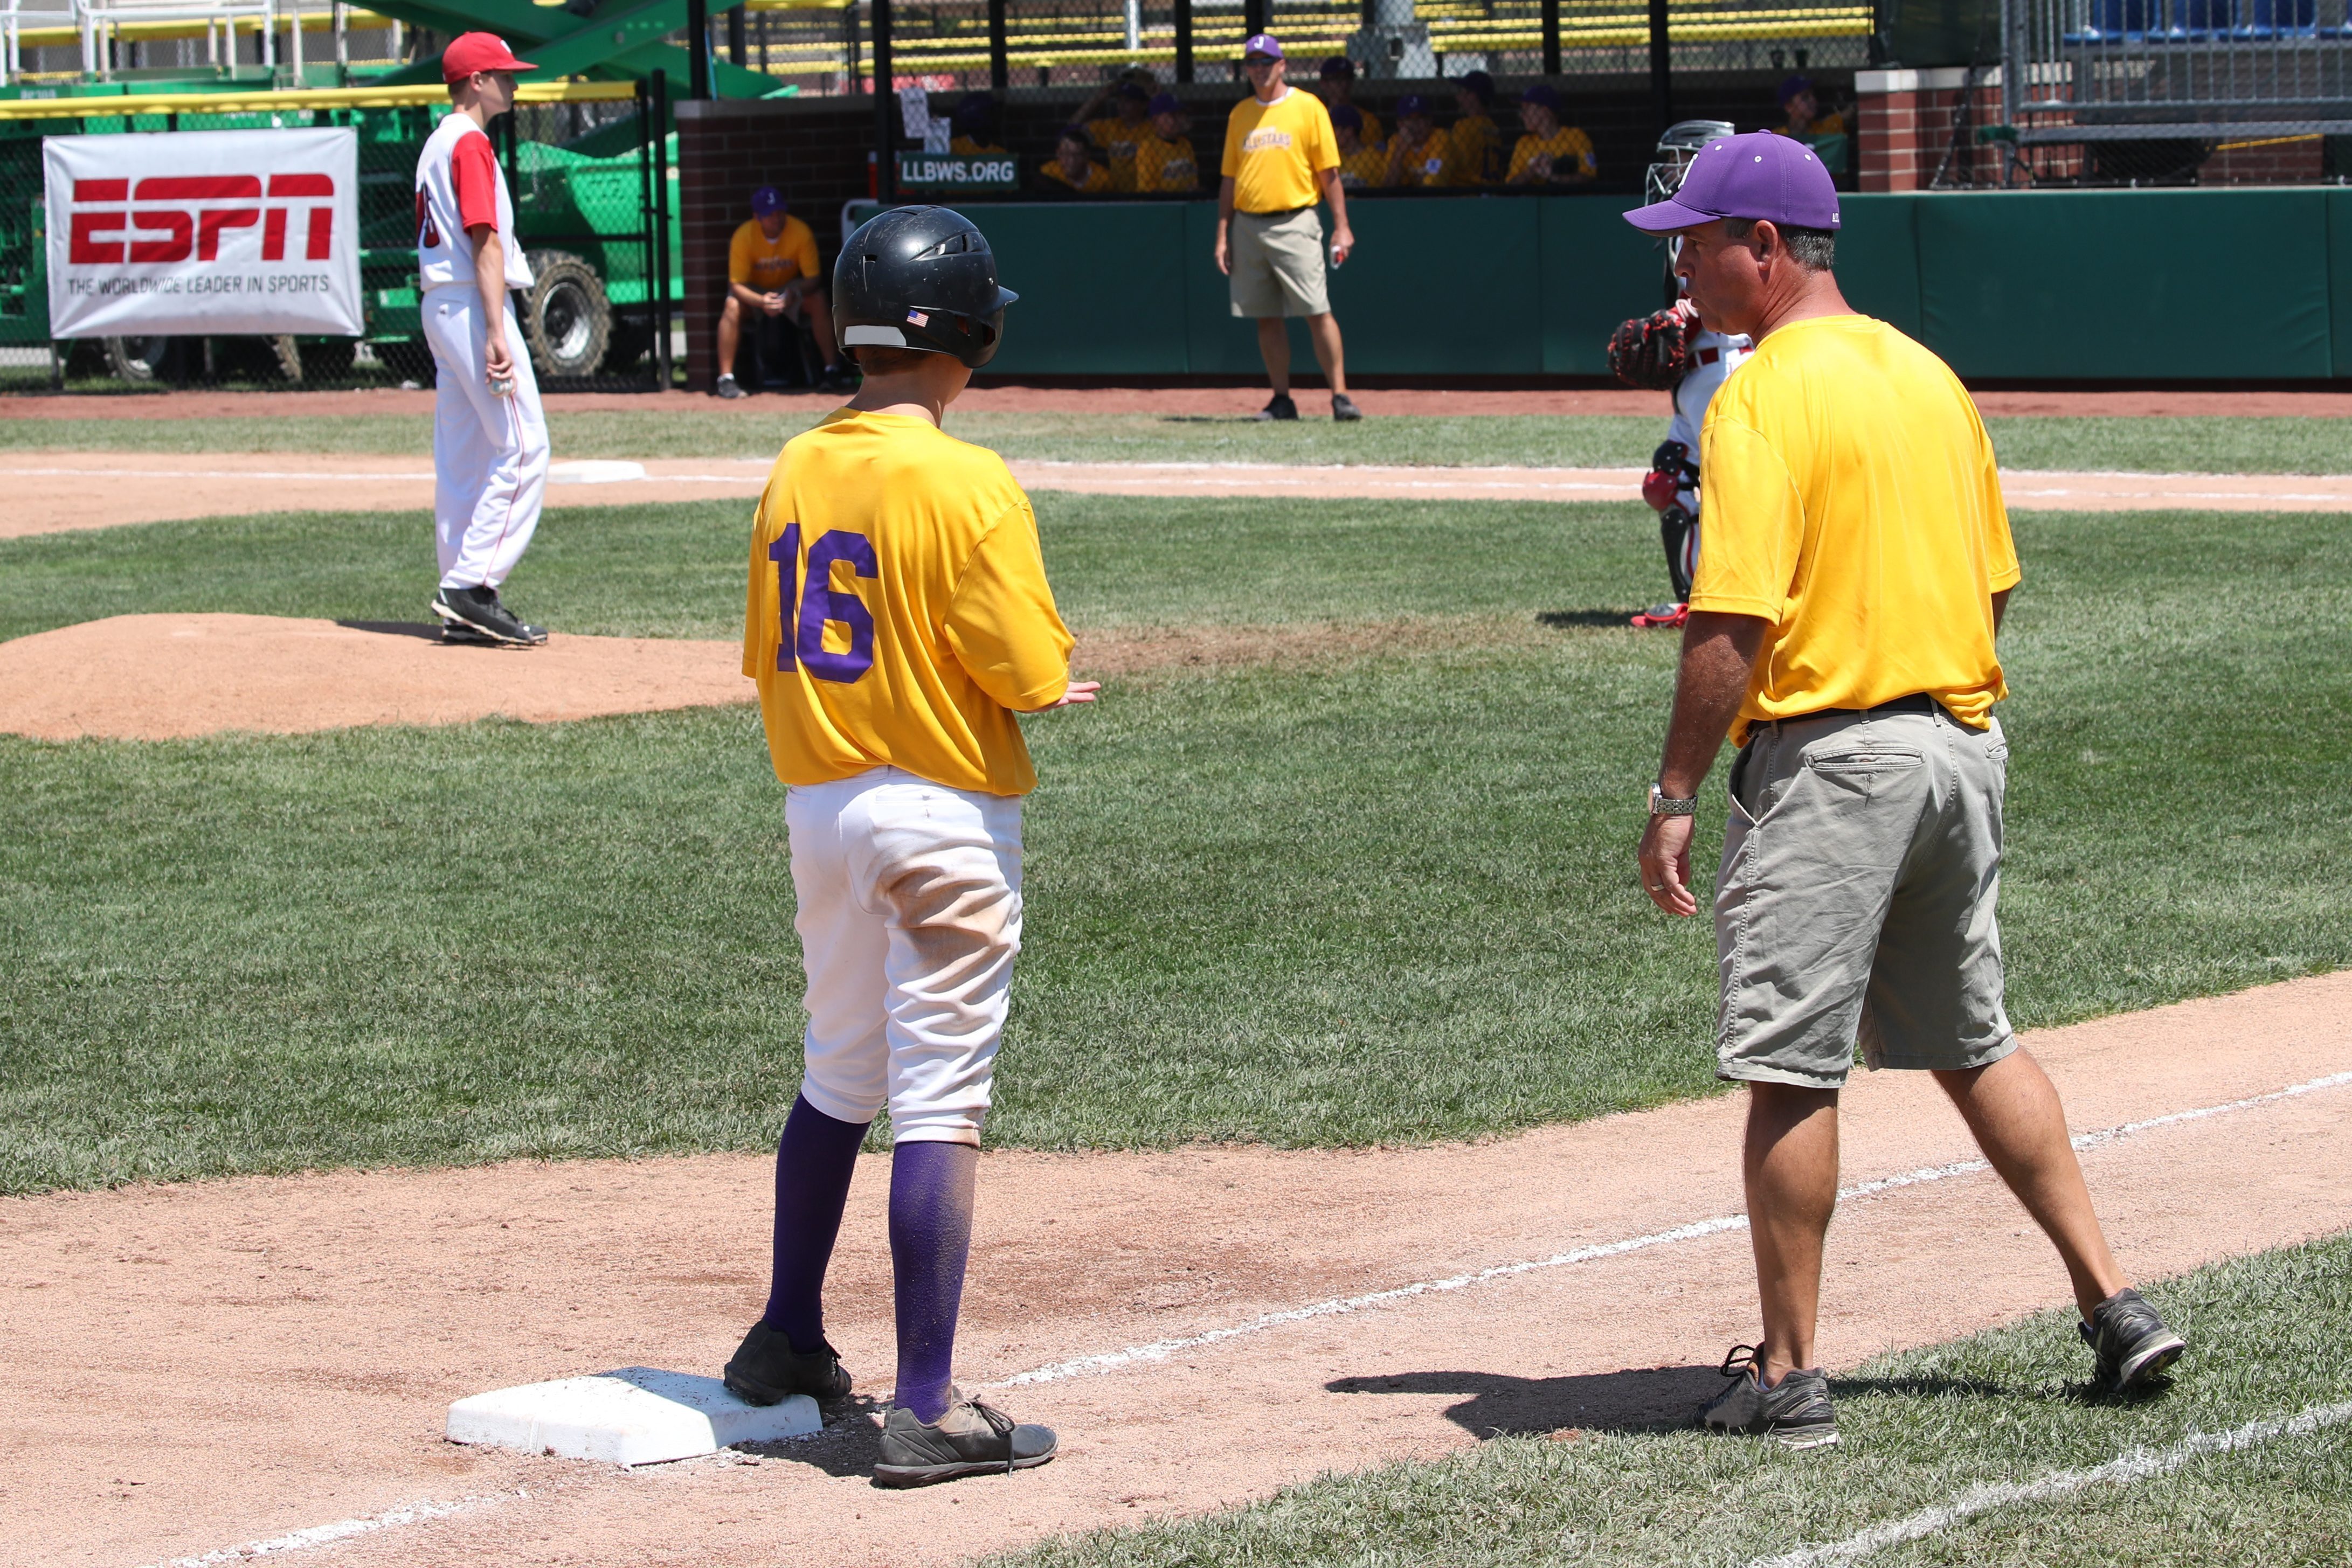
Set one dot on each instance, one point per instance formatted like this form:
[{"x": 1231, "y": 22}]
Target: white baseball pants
[
  {"x": 490, "y": 453},
  {"x": 909, "y": 917}
]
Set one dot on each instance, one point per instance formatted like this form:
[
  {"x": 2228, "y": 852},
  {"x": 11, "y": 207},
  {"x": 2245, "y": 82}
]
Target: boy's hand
[{"x": 1077, "y": 692}]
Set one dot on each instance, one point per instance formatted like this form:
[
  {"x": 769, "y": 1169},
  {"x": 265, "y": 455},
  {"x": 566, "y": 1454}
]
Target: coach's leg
[
  {"x": 1324, "y": 331},
  {"x": 1790, "y": 1165},
  {"x": 2012, "y": 1108},
  {"x": 730, "y": 332},
  {"x": 1274, "y": 348}
]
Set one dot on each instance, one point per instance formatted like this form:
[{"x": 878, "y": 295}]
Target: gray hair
[{"x": 1815, "y": 250}]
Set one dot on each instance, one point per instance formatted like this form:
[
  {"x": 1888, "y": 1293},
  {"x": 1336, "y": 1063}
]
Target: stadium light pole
[
  {"x": 1551, "y": 37},
  {"x": 1000, "y": 63},
  {"x": 1184, "y": 19},
  {"x": 1661, "y": 67}
]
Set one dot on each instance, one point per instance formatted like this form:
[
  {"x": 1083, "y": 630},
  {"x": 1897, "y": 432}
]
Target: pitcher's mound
[{"x": 157, "y": 677}]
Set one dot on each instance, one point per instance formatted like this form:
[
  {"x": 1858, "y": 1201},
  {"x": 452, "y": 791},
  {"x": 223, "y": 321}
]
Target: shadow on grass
[
  {"x": 1565, "y": 619},
  {"x": 1644, "y": 1399}
]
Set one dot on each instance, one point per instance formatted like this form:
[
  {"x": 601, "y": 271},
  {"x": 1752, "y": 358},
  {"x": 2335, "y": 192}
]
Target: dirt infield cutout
[{"x": 1203, "y": 1325}]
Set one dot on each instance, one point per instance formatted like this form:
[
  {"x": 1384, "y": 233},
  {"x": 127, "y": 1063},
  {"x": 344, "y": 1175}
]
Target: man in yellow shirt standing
[
  {"x": 772, "y": 277},
  {"x": 1280, "y": 159},
  {"x": 1841, "y": 629},
  {"x": 898, "y": 622}
]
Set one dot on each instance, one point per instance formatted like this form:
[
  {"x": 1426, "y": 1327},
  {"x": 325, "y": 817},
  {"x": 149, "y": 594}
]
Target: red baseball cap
[{"x": 471, "y": 52}]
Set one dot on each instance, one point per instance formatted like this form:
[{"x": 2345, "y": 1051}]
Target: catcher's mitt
[{"x": 1653, "y": 350}]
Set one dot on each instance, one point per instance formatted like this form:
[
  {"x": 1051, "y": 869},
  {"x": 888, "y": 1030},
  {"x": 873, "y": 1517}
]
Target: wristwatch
[{"x": 1664, "y": 805}]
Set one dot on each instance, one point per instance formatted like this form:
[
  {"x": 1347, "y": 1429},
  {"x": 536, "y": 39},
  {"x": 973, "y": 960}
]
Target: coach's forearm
[
  {"x": 1224, "y": 203},
  {"x": 1719, "y": 654},
  {"x": 1336, "y": 194}
]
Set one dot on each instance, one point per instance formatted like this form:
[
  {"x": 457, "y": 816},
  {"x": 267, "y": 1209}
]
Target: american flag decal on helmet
[{"x": 917, "y": 319}]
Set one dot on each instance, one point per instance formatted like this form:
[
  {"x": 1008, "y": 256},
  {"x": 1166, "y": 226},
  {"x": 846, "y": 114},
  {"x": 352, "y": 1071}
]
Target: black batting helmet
[{"x": 920, "y": 277}]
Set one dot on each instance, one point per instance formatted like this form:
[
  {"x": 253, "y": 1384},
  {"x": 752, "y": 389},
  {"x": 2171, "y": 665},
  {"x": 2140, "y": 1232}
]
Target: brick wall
[{"x": 1906, "y": 131}]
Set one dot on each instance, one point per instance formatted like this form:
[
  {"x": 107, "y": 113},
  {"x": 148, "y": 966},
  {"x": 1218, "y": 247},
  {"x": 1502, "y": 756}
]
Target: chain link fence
[{"x": 592, "y": 214}]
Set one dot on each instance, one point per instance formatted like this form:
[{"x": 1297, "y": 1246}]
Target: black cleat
[
  {"x": 1343, "y": 408},
  {"x": 766, "y": 1369},
  {"x": 2131, "y": 1342},
  {"x": 1280, "y": 408},
  {"x": 479, "y": 617},
  {"x": 728, "y": 388},
  {"x": 970, "y": 1439},
  {"x": 1794, "y": 1411}
]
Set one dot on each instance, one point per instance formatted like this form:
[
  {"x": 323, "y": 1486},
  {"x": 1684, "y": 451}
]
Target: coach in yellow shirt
[
  {"x": 1842, "y": 629},
  {"x": 1280, "y": 159},
  {"x": 772, "y": 276}
]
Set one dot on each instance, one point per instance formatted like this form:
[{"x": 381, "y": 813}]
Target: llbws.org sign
[{"x": 203, "y": 232}]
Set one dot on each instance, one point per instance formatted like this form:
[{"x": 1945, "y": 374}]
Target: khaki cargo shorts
[
  {"x": 1278, "y": 264},
  {"x": 1861, "y": 866}
]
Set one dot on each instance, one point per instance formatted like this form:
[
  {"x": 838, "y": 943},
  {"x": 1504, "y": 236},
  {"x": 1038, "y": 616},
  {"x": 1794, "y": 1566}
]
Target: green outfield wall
[{"x": 2214, "y": 285}]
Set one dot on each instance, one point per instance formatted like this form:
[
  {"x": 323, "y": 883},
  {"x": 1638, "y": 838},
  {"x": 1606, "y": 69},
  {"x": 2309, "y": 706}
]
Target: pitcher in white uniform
[{"x": 489, "y": 437}]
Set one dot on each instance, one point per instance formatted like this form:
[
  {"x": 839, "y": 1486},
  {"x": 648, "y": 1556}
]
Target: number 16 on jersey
[{"x": 799, "y": 634}]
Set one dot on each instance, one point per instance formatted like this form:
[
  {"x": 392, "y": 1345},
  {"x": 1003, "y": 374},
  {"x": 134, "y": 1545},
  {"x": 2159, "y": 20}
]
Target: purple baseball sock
[
  {"x": 930, "y": 1237},
  {"x": 815, "y": 1160}
]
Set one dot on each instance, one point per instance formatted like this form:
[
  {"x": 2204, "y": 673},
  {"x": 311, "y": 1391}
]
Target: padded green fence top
[{"x": 2058, "y": 286}]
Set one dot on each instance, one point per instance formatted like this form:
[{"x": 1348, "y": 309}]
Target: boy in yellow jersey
[
  {"x": 1360, "y": 167},
  {"x": 898, "y": 621},
  {"x": 1476, "y": 145},
  {"x": 1164, "y": 160},
  {"x": 1119, "y": 134},
  {"x": 972, "y": 128},
  {"x": 1549, "y": 153},
  {"x": 1335, "y": 84},
  {"x": 1072, "y": 170},
  {"x": 1418, "y": 151}
]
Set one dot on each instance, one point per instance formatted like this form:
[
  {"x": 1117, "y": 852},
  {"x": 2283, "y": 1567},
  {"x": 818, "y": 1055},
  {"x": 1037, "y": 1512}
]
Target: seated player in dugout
[
  {"x": 1071, "y": 168},
  {"x": 1418, "y": 151},
  {"x": 773, "y": 280},
  {"x": 1335, "y": 84},
  {"x": 1164, "y": 161},
  {"x": 1801, "y": 120},
  {"x": 972, "y": 128},
  {"x": 1475, "y": 142},
  {"x": 1549, "y": 153},
  {"x": 1360, "y": 167},
  {"x": 1118, "y": 134}
]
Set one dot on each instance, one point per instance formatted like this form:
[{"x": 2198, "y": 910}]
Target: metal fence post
[
  {"x": 659, "y": 130},
  {"x": 885, "y": 144},
  {"x": 697, "y": 49},
  {"x": 1661, "y": 66},
  {"x": 648, "y": 131},
  {"x": 1253, "y": 17},
  {"x": 735, "y": 47},
  {"x": 1000, "y": 68},
  {"x": 1551, "y": 37},
  {"x": 1184, "y": 19}
]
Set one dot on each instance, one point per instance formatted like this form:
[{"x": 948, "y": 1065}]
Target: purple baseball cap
[
  {"x": 767, "y": 199},
  {"x": 1412, "y": 106},
  {"x": 1758, "y": 175},
  {"x": 1264, "y": 46}
]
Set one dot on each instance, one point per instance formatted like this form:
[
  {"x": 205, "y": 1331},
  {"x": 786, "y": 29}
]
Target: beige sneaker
[{"x": 970, "y": 1439}]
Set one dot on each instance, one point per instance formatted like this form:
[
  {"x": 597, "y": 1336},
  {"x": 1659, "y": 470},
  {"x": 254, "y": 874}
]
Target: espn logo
[{"x": 178, "y": 217}]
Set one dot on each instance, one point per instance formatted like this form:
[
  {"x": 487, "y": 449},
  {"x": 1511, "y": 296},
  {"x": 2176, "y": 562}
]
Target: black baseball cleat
[
  {"x": 1795, "y": 1412},
  {"x": 480, "y": 617},
  {"x": 1280, "y": 408},
  {"x": 727, "y": 388},
  {"x": 767, "y": 1369},
  {"x": 2131, "y": 1342},
  {"x": 970, "y": 1439},
  {"x": 1343, "y": 408},
  {"x": 461, "y": 634}
]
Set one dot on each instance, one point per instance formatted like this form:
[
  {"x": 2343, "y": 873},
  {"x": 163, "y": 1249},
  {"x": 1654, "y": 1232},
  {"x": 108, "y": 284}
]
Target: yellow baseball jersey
[
  {"x": 1118, "y": 140},
  {"x": 1570, "y": 151},
  {"x": 1424, "y": 165},
  {"x": 1162, "y": 165},
  {"x": 1852, "y": 503},
  {"x": 1369, "y": 132},
  {"x": 1276, "y": 153},
  {"x": 1096, "y": 181},
  {"x": 758, "y": 262},
  {"x": 1366, "y": 166},
  {"x": 1477, "y": 148},
  {"x": 971, "y": 147},
  {"x": 898, "y": 614}
]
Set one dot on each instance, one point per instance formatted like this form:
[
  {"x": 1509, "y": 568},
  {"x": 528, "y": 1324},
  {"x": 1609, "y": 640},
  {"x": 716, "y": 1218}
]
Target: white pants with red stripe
[{"x": 490, "y": 453}]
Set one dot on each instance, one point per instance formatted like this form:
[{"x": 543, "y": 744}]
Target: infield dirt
[{"x": 197, "y": 1366}]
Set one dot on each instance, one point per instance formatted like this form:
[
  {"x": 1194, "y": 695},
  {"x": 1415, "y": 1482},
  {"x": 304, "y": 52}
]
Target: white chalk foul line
[
  {"x": 341, "y": 1529},
  {"x": 1160, "y": 1350},
  {"x": 2137, "y": 1464}
]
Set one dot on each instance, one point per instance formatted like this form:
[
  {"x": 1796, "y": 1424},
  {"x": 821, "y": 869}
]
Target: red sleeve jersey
[{"x": 475, "y": 171}]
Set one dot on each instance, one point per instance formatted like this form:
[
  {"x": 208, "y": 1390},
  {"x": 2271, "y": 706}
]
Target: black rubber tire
[
  {"x": 143, "y": 361},
  {"x": 566, "y": 317}
]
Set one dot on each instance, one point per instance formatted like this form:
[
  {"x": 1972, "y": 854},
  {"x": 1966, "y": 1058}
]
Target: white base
[{"x": 637, "y": 1416}]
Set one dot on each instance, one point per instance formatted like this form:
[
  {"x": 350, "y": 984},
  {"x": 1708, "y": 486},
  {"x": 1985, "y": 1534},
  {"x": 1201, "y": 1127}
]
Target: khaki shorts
[
  {"x": 1861, "y": 866},
  {"x": 1278, "y": 264}
]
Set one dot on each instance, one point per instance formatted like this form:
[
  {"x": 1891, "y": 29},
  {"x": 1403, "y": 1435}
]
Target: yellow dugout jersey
[
  {"x": 1118, "y": 140},
  {"x": 1276, "y": 153},
  {"x": 1364, "y": 167},
  {"x": 1424, "y": 165},
  {"x": 1163, "y": 165},
  {"x": 1476, "y": 147},
  {"x": 758, "y": 262},
  {"x": 1096, "y": 181},
  {"x": 898, "y": 614},
  {"x": 1571, "y": 151},
  {"x": 1852, "y": 502}
]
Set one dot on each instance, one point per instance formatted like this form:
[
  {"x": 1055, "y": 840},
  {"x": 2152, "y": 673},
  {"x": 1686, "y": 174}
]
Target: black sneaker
[
  {"x": 727, "y": 388},
  {"x": 1343, "y": 408},
  {"x": 477, "y": 610},
  {"x": 766, "y": 1369},
  {"x": 970, "y": 1439},
  {"x": 1794, "y": 1411},
  {"x": 836, "y": 379},
  {"x": 1280, "y": 408},
  {"x": 2130, "y": 1341},
  {"x": 461, "y": 634}
]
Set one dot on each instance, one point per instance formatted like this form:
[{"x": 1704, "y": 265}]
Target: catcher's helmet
[
  {"x": 920, "y": 277},
  {"x": 1682, "y": 142}
]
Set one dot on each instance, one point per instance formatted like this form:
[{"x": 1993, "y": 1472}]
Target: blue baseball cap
[
  {"x": 768, "y": 199},
  {"x": 1262, "y": 46},
  {"x": 1166, "y": 103},
  {"x": 1758, "y": 175},
  {"x": 1412, "y": 106},
  {"x": 1478, "y": 82}
]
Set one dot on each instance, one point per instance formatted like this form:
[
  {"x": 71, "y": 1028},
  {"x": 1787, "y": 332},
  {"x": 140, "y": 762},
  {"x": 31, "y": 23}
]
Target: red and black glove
[{"x": 1653, "y": 352}]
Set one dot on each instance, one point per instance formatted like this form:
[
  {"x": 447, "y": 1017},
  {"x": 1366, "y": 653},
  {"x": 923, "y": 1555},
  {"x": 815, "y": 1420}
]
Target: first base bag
[{"x": 201, "y": 232}]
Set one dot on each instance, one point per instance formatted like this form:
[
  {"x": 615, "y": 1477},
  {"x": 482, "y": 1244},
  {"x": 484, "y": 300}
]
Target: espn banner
[{"x": 200, "y": 231}]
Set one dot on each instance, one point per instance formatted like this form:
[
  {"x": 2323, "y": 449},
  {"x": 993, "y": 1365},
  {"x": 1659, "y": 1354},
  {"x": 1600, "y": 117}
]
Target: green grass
[
  {"x": 1919, "y": 1428},
  {"x": 1333, "y": 901},
  {"x": 2280, "y": 444}
]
